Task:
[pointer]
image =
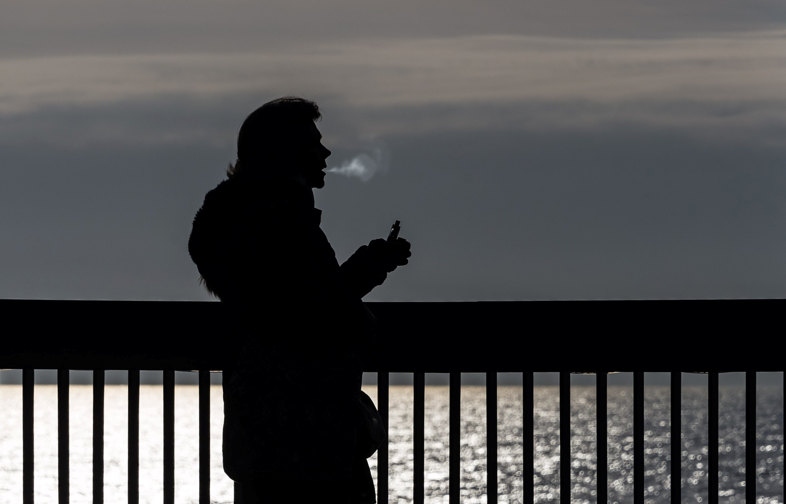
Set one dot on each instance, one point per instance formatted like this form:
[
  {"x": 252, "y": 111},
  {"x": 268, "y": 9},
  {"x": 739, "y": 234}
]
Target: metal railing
[{"x": 564, "y": 337}]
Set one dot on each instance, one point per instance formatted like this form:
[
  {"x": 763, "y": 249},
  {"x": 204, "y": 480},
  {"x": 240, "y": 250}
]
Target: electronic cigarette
[{"x": 394, "y": 230}]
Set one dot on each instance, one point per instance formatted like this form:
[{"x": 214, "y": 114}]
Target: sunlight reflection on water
[{"x": 473, "y": 449}]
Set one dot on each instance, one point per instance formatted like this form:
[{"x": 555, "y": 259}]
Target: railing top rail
[{"x": 473, "y": 336}]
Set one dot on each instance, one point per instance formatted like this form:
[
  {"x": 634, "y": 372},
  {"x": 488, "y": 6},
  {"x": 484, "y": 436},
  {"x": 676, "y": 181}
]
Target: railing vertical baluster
[
  {"x": 676, "y": 436},
  {"x": 383, "y": 404},
  {"x": 169, "y": 436},
  {"x": 564, "y": 437},
  {"x": 454, "y": 456},
  {"x": 750, "y": 436},
  {"x": 528, "y": 436},
  {"x": 601, "y": 436},
  {"x": 98, "y": 435},
  {"x": 491, "y": 437},
  {"x": 418, "y": 436},
  {"x": 638, "y": 437},
  {"x": 63, "y": 435},
  {"x": 712, "y": 437},
  {"x": 28, "y": 435},
  {"x": 204, "y": 436},
  {"x": 133, "y": 436}
]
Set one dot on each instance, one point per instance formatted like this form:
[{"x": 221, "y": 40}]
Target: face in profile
[{"x": 310, "y": 157}]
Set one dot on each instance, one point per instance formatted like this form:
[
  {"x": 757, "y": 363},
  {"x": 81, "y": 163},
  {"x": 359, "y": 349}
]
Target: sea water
[{"x": 473, "y": 477}]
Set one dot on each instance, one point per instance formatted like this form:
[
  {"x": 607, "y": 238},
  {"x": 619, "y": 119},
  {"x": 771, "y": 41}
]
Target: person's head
[{"x": 280, "y": 139}]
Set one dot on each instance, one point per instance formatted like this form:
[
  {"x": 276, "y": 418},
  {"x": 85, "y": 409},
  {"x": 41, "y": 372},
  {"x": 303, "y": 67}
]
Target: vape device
[{"x": 394, "y": 229}]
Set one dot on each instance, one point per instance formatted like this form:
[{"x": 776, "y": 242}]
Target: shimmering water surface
[{"x": 769, "y": 469}]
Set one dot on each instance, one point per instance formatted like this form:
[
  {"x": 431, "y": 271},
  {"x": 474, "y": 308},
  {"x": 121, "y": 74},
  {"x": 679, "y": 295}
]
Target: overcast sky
[{"x": 613, "y": 149}]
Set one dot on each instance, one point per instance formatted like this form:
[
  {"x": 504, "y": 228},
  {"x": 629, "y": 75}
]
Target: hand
[
  {"x": 398, "y": 251},
  {"x": 392, "y": 254}
]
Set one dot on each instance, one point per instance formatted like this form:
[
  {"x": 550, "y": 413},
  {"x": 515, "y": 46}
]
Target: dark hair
[{"x": 271, "y": 130}]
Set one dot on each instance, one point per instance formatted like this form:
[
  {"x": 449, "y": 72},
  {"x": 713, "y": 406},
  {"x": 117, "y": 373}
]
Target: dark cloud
[
  {"x": 631, "y": 213},
  {"x": 578, "y": 150},
  {"x": 95, "y": 27},
  {"x": 615, "y": 210}
]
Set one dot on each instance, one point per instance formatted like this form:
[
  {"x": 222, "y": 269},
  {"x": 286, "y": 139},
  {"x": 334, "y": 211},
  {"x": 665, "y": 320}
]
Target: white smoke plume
[{"x": 363, "y": 166}]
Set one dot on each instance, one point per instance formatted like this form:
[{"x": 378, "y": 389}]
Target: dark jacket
[{"x": 299, "y": 326}]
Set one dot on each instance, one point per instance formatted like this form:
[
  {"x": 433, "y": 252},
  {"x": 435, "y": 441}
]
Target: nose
[{"x": 325, "y": 152}]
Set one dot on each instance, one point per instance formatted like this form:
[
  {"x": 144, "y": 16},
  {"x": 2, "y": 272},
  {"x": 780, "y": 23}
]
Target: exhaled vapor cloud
[{"x": 363, "y": 166}]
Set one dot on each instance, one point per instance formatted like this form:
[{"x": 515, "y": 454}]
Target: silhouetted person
[{"x": 292, "y": 391}]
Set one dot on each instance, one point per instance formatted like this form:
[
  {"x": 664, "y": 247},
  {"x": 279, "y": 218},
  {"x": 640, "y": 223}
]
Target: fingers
[
  {"x": 400, "y": 251},
  {"x": 392, "y": 253}
]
